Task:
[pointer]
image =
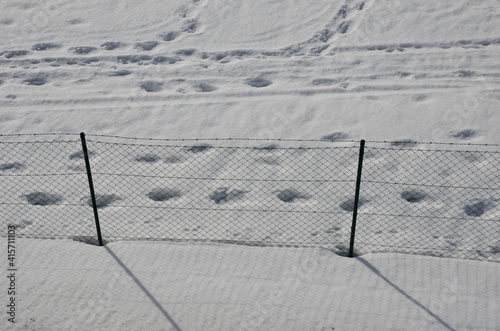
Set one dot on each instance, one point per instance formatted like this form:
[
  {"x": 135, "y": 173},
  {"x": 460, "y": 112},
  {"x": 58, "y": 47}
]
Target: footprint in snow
[
  {"x": 413, "y": 196},
  {"x": 163, "y": 194},
  {"x": 267, "y": 148},
  {"x": 348, "y": 205},
  {"x": 111, "y": 45},
  {"x": 103, "y": 200},
  {"x": 166, "y": 59},
  {"x": 190, "y": 26},
  {"x": 14, "y": 166},
  {"x": 268, "y": 160},
  {"x": 477, "y": 208},
  {"x": 223, "y": 194},
  {"x": 82, "y": 50},
  {"x": 333, "y": 230},
  {"x": 146, "y": 46},
  {"x": 336, "y": 136},
  {"x": 11, "y": 54},
  {"x": 169, "y": 36},
  {"x": 120, "y": 73},
  {"x": 186, "y": 52},
  {"x": 290, "y": 195},
  {"x": 43, "y": 198},
  {"x": 44, "y": 46},
  {"x": 204, "y": 87},
  {"x": 79, "y": 155},
  {"x": 36, "y": 80},
  {"x": 259, "y": 82},
  {"x": 198, "y": 149},
  {"x": 152, "y": 86},
  {"x": 125, "y": 59},
  {"x": 464, "y": 134},
  {"x": 147, "y": 158}
]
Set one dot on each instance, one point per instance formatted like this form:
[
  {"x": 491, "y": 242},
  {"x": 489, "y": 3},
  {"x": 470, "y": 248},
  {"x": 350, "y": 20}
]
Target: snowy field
[{"x": 426, "y": 71}]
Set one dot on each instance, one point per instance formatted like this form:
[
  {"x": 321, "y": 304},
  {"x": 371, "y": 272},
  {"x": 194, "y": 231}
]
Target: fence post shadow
[
  {"x": 143, "y": 288},
  {"x": 400, "y": 290}
]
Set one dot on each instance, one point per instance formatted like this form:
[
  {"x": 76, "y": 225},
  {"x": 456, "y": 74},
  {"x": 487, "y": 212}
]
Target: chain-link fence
[
  {"x": 266, "y": 193},
  {"x": 431, "y": 202}
]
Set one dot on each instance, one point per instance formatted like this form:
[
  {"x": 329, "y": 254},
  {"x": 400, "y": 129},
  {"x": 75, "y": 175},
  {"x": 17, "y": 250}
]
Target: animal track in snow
[
  {"x": 223, "y": 194},
  {"x": 43, "y": 198},
  {"x": 163, "y": 194}
]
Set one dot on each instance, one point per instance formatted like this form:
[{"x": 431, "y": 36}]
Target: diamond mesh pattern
[
  {"x": 254, "y": 196},
  {"x": 432, "y": 202},
  {"x": 42, "y": 185},
  {"x": 419, "y": 201}
]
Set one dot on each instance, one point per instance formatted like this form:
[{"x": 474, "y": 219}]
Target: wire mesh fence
[
  {"x": 432, "y": 202},
  {"x": 272, "y": 193}
]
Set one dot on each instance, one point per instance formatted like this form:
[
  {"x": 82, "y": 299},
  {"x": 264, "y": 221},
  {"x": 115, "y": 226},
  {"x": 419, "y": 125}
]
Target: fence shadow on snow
[{"x": 351, "y": 198}]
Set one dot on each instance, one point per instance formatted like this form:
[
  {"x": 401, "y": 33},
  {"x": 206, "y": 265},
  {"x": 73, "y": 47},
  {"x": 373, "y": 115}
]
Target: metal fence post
[
  {"x": 356, "y": 197},
  {"x": 91, "y": 186}
]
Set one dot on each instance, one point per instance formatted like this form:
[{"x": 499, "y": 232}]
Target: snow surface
[
  {"x": 64, "y": 285},
  {"x": 378, "y": 70}
]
